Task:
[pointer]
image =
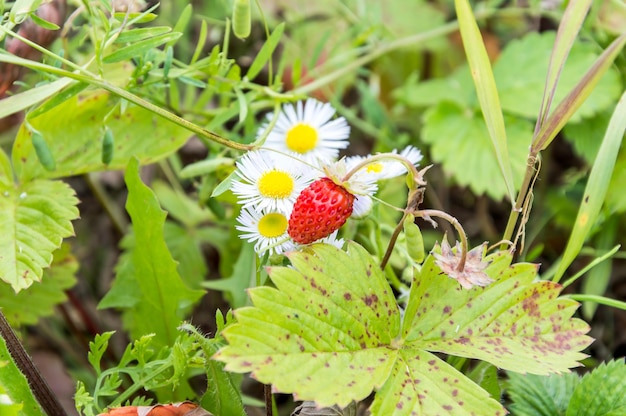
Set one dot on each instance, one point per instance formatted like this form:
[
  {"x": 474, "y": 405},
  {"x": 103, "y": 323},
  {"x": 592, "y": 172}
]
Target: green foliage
[
  {"x": 334, "y": 316},
  {"x": 608, "y": 384},
  {"x": 460, "y": 141},
  {"x": 15, "y": 394},
  {"x": 600, "y": 392},
  {"x": 149, "y": 284},
  {"x": 534, "y": 395},
  {"x": 41, "y": 297},
  {"x": 36, "y": 217},
  {"x": 75, "y": 140}
]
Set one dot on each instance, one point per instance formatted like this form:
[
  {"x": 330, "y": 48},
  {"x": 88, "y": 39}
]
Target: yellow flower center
[
  {"x": 273, "y": 225},
  {"x": 301, "y": 138},
  {"x": 374, "y": 167},
  {"x": 275, "y": 184}
]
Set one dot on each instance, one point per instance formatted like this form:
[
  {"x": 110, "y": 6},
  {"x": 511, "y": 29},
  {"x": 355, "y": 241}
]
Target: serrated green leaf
[
  {"x": 36, "y": 216},
  {"x": 486, "y": 91},
  {"x": 15, "y": 386},
  {"x": 23, "y": 100},
  {"x": 422, "y": 384},
  {"x": 223, "y": 395},
  {"x": 163, "y": 294},
  {"x": 520, "y": 75},
  {"x": 75, "y": 140},
  {"x": 596, "y": 188},
  {"x": 325, "y": 321},
  {"x": 41, "y": 297},
  {"x": 515, "y": 323},
  {"x": 601, "y": 392},
  {"x": 139, "y": 48},
  {"x": 266, "y": 52},
  {"x": 460, "y": 141},
  {"x": 534, "y": 395},
  {"x": 97, "y": 348}
]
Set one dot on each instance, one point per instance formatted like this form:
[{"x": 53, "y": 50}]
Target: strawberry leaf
[
  {"x": 36, "y": 216},
  {"x": 333, "y": 317},
  {"x": 515, "y": 323}
]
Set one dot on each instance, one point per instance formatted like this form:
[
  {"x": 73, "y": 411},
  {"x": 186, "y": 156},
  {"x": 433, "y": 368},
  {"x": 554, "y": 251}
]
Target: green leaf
[
  {"x": 317, "y": 326},
  {"x": 186, "y": 248},
  {"x": 243, "y": 277},
  {"x": 456, "y": 88},
  {"x": 422, "y": 384},
  {"x": 180, "y": 206},
  {"x": 333, "y": 316},
  {"x": 134, "y": 35},
  {"x": 601, "y": 392},
  {"x": 266, "y": 52},
  {"x": 596, "y": 188},
  {"x": 460, "y": 141},
  {"x": 97, "y": 348},
  {"x": 615, "y": 197},
  {"x": 486, "y": 376},
  {"x": 23, "y": 100},
  {"x": 223, "y": 395},
  {"x": 577, "y": 96},
  {"x": 486, "y": 90},
  {"x": 163, "y": 294},
  {"x": 520, "y": 74},
  {"x": 534, "y": 395},
  {"x": 6, "y": 172},
  {"x": 41, "y": 297},
  {"x": 75, "y": 139},
  {"x": 14, "y": 388},
  {"x": 570, "y": 25},
  {"x": 139, "y": 48},
  {"x": 515, "y": 323},
  {"x": 36, "y": 216}
]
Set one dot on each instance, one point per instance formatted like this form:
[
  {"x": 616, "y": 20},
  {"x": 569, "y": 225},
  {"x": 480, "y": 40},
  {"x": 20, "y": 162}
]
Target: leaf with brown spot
[{"x": 517, "y": 323}]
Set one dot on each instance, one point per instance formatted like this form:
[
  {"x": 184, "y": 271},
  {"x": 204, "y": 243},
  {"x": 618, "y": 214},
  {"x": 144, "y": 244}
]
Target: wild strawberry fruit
[{"x": 321, "y": 208}]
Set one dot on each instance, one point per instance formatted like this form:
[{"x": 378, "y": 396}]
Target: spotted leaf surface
[
  {"x": 324, "y": 333},
  {"x": 517, "y": 323},
  {"x": 331, "y": 332},
  {"x": 35, "y": 217},
  {"x": 422, "y": 384}
]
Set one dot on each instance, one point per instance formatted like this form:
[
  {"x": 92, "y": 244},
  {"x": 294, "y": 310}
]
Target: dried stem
[
  {"x": 42, "y": 392},
  {"x": 427, "y": 213}
]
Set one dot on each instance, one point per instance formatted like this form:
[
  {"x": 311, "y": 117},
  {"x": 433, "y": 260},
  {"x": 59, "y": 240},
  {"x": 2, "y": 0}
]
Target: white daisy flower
[
  {"x": 384, "y": 169},
  {"x": 267, "y": 230},
  {"x": 307, "y": 130},
  {"x": 268, "y": 182},
  {"x": 362, "y": 206}
]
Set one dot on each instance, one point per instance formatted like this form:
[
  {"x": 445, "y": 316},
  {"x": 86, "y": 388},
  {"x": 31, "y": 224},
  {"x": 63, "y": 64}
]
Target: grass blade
[
  {"x": 596, "y": 188},
  {"x": 266, "y": 52},
  {"x": 486, "y": 91}
]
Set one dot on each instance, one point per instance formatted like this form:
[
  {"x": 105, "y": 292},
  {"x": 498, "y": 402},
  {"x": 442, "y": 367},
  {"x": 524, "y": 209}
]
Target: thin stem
[
  {"x": 198, "y": 130},
  {"x": 392, "y": 241},
  {"x": 42, "y": 392},
  {"x": 521, "y": 197},
  {"x": 427, "y": 213},
  {"x": 267, "y": 395}
]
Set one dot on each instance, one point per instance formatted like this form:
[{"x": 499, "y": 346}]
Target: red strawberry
[{"x": 320, "y": 209}]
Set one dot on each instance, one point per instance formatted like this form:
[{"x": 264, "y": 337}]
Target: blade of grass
[
  {"x": 576, "y": 96},
  {"x": 486, "y": 90},
  {"x": 23, "y": 100},
  {"x": 566, "y": 35},
  {"x": 265, "y": 53},
  {"x": 600, "y": 300},
  {"x": 596, "y": 188}
]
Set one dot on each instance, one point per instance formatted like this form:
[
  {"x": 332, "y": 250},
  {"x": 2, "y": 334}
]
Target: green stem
[
  {"x": 122, "y": 93},
  {"x": 392, "y": 241},
  {"x": 521, "y": 198}
]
